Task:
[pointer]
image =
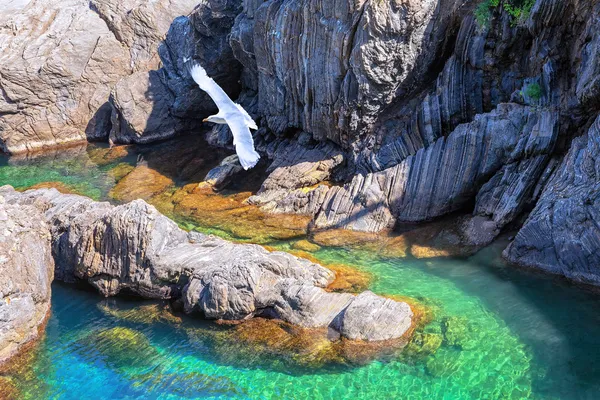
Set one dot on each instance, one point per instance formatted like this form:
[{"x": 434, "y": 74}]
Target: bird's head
[{"x": 214, "y": 119}]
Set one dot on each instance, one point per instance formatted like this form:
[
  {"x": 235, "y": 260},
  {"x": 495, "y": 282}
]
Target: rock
[
  {"x": 362, "y": 55},
  {"x": 26, "y": 272},
  {"x": 154, "y": 105},
  {"x": 60, "y": 60},
  {"x": 219, "y": 177},
  {"x": 446, "y": 176},
  {"x": 133, "y": 248},
  {"x": 294, "y": 184},
  {"x": 371, "y": 317},
  {"x": 561, "y": 234}
]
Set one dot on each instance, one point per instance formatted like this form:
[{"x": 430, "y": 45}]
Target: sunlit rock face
[
  {"x": 60, "y": 60},
  {"x": 158, "y": 104},
  {"x": 26, "y": 272},
  {"x": 133, "y": 248}
]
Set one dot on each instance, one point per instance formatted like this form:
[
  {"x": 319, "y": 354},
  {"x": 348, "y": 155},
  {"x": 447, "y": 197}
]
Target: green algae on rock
[{"x": 120, "y": 347}]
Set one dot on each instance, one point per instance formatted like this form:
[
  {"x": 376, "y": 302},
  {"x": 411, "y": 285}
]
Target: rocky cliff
[
  {"x": 373, "y": 114},
  {"x": 59, "y": 61}
]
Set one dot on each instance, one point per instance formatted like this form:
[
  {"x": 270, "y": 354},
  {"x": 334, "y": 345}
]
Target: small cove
[{"x": 518, "y": 334}]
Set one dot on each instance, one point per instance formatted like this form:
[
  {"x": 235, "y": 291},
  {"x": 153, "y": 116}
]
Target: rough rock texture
[
  {"x": 133, "y": 248},
  {"x": 26, "y": 272},
  {"x": 444, "y": 177},
  {"x": 562, "y": 233},
  {"x": 154, "y": 105},
  {"x": 371, "y": 316},
  {"x": 296, "y": 176},
  {"x": 60, "y": 59},
  {"x": 362, "y": 54}
]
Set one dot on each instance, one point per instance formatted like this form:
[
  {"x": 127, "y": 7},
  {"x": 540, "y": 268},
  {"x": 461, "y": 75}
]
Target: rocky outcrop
[
  {"x": 26, "y": 272},
  {"x": 297, "y": 176},
  {"x": 158, "y": 104},
  {"x": 60, "y": 59},
  {"x": 362, "y": 54},
  {"x": 133, "y": 248},
  {"x": 562, "y": 233},
  {"x": 444, "y": 177}
]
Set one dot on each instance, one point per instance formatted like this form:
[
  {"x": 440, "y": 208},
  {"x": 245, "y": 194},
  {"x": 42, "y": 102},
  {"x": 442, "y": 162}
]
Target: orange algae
[
  {"x": 280, "y": 344},
  {"x": 142, "y": 182},
  {"x": 230, "y": 213},
  {"x": 60, "y": 186},
  {"x": 107, "y": 155}
]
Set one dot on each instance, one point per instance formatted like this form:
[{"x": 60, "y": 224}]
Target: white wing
[
  {"x": 242, "y": 139},
  {"x": 211, "y": 87},
  {"x": 237, "y": 118},
  {"x": 225, "y": 104}
]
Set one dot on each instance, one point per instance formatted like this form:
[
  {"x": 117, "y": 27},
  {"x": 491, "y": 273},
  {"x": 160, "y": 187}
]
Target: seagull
[{"x": 230, "y": 113}]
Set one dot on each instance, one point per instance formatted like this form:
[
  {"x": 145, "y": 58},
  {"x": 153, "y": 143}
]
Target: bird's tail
[{"x": 248, "y": 157}]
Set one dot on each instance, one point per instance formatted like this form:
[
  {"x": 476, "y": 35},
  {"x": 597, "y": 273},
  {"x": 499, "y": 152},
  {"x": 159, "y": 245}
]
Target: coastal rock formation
[
  {"x": 157, "y": 104},
  {"x": 362, "y": 54},
  {"x": 59, "y": 61},
  {"x": 297, "y": 175},
  {"x": 442, "y": 178},
  {"x": 26, "y": 272},
  {"x": 562, "y": 233},
  {"x": 132, "y": 248}
]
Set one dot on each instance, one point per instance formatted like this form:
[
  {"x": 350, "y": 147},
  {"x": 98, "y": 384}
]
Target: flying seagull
[{"x": 230, "y": 113}]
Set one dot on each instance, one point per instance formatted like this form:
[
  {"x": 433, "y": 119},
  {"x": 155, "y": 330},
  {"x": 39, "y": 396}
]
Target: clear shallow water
[{"x": 520, "y": 335}]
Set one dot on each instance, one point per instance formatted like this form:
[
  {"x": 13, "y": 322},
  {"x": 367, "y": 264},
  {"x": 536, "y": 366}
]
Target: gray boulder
[
  {"x": 371, "y": 317},
  {"x": 26, "y": 272}
]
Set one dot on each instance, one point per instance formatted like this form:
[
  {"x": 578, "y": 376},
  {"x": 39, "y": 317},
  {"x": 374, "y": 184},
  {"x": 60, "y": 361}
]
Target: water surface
[{"x": 518, "y": 334}]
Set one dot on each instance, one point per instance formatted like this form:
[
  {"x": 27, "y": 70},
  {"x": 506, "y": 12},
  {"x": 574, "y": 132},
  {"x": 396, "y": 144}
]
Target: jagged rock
[
  {"x": 135, "y": 249},
  {"x": 154, "y": 105},
  {"x": 295, "y": 175},
  {"x": 60, "y": 59},
  {"x": 362, "y": 56},
  {"x": 26, "y": 272},
  {"x": 444, "y": 177},
  {"x": 561, "y": 234}
]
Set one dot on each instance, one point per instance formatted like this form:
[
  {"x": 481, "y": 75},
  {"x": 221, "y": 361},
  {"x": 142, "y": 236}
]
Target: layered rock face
[
  {"x": 562, "y": 233},
  {"x": 157, "y": 104},
  {"x": 133, "y": 248},
  {"x": 60, "y": 59},
  {"x": 26, "y": 272}
]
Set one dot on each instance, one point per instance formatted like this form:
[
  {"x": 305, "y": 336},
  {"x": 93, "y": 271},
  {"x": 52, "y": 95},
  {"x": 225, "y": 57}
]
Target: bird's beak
[{"x": 205, "y": 120}]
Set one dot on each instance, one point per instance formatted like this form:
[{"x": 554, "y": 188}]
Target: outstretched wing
[
  {"x": 211, "y": 87},
  {"x": 243, "y": 141}
]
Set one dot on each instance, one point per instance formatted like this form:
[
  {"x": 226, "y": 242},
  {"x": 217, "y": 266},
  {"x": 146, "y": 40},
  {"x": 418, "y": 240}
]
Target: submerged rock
[
  {"x": 26, "y": 272},
  {"x": 133, "y": 248}
]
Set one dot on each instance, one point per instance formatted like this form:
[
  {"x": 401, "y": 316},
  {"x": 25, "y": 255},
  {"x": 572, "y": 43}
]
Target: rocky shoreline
[
  {"x": 400, "y": 117},
  {"x": 134, "y": 249}
]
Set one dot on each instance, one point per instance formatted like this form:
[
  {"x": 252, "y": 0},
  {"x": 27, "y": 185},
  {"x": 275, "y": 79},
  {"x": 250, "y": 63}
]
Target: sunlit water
[{"x": 523, "y": 335}]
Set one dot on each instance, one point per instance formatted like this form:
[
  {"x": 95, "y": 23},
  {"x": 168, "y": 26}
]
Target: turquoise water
[{"x": 507, "y": 333}]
